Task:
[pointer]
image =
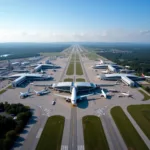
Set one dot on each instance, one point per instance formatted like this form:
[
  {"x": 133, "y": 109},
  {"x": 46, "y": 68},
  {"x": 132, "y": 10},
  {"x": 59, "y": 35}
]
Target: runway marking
[
  {"x": 64, "y": 147},
  {"x": 80, "y": 147},
  {"x": 39, "y": 133}
]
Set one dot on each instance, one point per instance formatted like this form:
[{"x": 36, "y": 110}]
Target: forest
[
  {"x": 10, "y": 127},
  {"x": 138, "y": 57},
  {"x": 24, "y": 50}
]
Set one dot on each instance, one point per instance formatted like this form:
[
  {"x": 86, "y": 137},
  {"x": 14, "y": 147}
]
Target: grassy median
[
  {"x": 141, "y": 114},
  {"x": 79, "y": 70},
  {"x": 146, "y": 97},
  {"x": 94, "y": 136},
  {"x": 68, "y": 80},
  {"x": 70, "y": 70},
  {"x": 80, "y": 80},
  {"x": 127, "y": 130},
  {"x": 52, "y": 134}
]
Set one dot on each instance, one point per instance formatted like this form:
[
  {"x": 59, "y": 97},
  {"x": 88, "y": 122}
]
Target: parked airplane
[
  {"x": 25, "y": 94},
  {"x": 127, "y": 94},
  {"x": 103, "y": 94},
  {"x": 105, "y": 71},
  {"x": 42, "y": 92},
  {"x": 147, "y": 77},
  {"x": 73, "y": 97},
  {"x": 42, "y": 72}
]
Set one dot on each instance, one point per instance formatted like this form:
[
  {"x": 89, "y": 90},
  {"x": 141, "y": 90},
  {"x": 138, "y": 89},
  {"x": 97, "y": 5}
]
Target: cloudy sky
[{"x": 74, "y": 20}]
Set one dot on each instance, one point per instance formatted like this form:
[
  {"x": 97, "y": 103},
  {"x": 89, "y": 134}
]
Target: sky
[{"x": 75, "y": 21}]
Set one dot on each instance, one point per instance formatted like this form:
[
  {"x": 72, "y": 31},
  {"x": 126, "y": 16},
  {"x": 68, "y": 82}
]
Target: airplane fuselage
[{"x": 73, "y": 96}]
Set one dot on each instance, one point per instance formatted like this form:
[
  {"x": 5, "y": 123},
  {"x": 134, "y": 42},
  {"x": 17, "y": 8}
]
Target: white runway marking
[
  {"x": 80, "y": 147},
  {"x": 64, "y": 147},
  {"x": 39, "y": 133}
]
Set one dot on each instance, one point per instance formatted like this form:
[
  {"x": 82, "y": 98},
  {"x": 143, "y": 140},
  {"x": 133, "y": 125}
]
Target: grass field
[
  {"x": 51, "y": 54},
  {"x": 70, "y": 70},
  {"x": 94, "y": 136},
  {"x": 80, "y": 80},
  {"x": 92, "y": 56},
  {"x": 127, "y": 130},
  {"x": 146, "y": 97},
  {"x": 52, "y": 134},
  {"x": 79, "y": 70},
  {"x": 77, "y": 57},
  {"x": 141, "y": 114},
  {"x": 68, "y": 80},
  {"x": 2, "y": 91}
]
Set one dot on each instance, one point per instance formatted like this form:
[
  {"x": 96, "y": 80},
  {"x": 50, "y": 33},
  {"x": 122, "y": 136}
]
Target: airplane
[
  {"x": 42, "y": 92},
  {"x": 147, "y": 77},
  {"x": 103, "y": 94},
  {"x": 105, "y": 71},
  {"x": 42, "y": 72},
  {"x": 25, "y": 94},
  {"x": 127, "y": 94},
  {"x": 73, "y": 97}
]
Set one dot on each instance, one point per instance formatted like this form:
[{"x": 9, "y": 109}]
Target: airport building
[
  {"x": 45, "y": 66},
  {"x": 128, "y": 79},
  {"x": 111, "y": 68},
  {"x": 81, "y": 86},
  {"x": 20, "y": 78}
]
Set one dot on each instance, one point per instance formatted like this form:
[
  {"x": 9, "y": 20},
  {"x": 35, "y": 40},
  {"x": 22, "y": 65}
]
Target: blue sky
[{"x": 74, "y": 20}]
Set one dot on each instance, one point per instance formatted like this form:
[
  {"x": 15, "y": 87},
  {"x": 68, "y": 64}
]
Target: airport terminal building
[
  {"x": 45, "y": 66},
  {"x": 81, "y": 86},
  {"x": 18, "y": 79},
  {"x": 128, "y": 79}
]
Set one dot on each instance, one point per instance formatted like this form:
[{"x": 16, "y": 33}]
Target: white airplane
[
  {"x": 42, "y": 72},
  {"x": 105, "y": 71},
  {"x": 103, "y": 94},
  {"x": 127, "y": 94},
  {"x": 73, "y": 97},
  {"x": 42, "y": 92},
  {"x": 147, "y": 77},
  {"x": 25, "y": 94}
]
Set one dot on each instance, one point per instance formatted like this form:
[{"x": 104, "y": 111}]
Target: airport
[{"x": 92, "y": 91}]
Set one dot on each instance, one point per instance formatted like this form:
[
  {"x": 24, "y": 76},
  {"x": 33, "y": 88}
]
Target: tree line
[{"x": 10, "y": 127}]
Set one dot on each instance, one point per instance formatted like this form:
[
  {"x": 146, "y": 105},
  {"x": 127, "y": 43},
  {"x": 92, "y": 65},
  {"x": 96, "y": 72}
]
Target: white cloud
[{"x": 111, "y": 35}]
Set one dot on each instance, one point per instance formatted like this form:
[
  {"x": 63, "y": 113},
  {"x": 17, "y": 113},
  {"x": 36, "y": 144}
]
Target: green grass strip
[
  {"x": 70, "y": 70},
  {"x": 146, "y": 97},
  {"x": 94, "y": 136},
  {"x": 141, "y": 114},
  {"x": 79, "y": 70},
  {"x": 68, "y": 80},
  {"x": 52, "y": 134},
  {"x": 80, "y": 80},
  {"x": 127, "y": 130}
]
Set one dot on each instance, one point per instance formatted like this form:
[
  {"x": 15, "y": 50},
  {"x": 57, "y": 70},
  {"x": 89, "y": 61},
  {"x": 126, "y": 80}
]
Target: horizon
[{"x": 77, "y": 21}]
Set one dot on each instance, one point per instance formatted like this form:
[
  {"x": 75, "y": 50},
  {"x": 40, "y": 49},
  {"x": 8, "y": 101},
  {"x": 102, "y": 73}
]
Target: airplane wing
[
  {"x": 82, "y": 96},
  {"x": 64, "y": 96}
]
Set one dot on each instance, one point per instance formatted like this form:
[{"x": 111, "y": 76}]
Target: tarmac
[{"x": 94, "y": 105}]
